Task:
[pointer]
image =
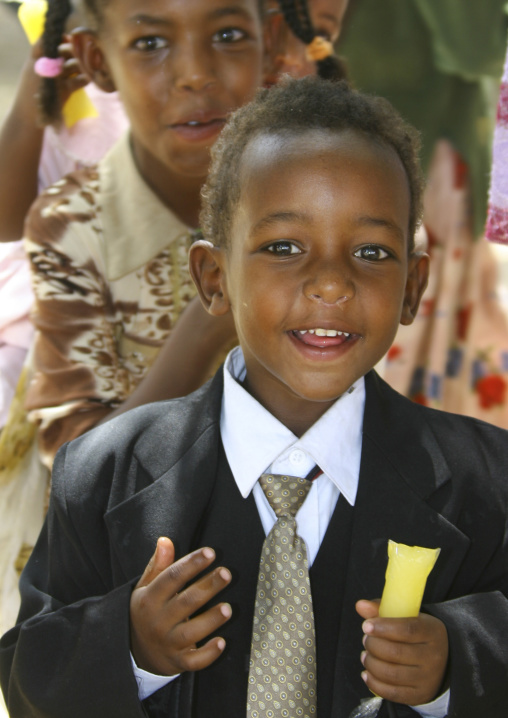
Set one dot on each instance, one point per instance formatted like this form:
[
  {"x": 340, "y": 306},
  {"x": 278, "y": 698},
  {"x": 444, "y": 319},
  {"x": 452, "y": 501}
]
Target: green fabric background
[{"x": 439, "y": 62}]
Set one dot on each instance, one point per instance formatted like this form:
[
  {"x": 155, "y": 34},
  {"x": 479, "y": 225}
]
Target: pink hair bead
[{"x": 49, "y": 66}]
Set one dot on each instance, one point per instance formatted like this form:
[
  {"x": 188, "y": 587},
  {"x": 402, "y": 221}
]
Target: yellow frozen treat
[
  {"x": 78, "y": 107},
  {"x": 32, "y": 14},
  {"x": 406, "y": 576}
]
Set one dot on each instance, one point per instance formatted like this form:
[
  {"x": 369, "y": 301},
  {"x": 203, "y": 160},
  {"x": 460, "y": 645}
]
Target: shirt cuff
[
  {"x": 436, "y": 709},
  {"x": 148, "y": 683}
]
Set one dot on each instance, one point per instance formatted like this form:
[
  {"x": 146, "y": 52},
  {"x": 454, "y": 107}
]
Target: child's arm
[
  {"x": 21, "y": 138},
  {"x": 186, "y": 360},
  {"x": 405, "y": 659},
  {"x": 163, "y": 634}
]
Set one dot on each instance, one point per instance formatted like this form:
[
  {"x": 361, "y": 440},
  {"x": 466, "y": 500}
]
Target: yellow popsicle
[
  {"x": 32, "y": 14},
  {"x": 406, "y": 576},
  {"x": 78, "y": 107}
]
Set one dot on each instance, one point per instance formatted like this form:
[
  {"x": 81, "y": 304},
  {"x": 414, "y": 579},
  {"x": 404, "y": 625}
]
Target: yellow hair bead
[{"x": 318, "y": 49}]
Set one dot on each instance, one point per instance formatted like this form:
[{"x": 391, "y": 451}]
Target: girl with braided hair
[
  {"x": 36, "y": 146},
  {"x": 300, "y": 38}
]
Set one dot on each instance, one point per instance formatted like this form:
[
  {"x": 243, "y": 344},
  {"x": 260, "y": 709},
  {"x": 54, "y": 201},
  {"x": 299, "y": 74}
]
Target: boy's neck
[{"x": 296, "y": 415}]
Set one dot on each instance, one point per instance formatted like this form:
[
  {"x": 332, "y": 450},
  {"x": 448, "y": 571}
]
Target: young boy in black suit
[{"x": 312, "y": 204}]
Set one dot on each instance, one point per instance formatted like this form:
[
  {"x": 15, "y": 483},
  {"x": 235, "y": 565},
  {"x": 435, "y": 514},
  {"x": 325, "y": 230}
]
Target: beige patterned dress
[{"x": 109, "y": 266}]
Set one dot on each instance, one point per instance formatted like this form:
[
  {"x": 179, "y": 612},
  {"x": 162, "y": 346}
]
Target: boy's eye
[
  {"x": 372, "y": 253},
  {"x": 229, "y": 34},
  {"x": 150, "y": 44},
  {"x": 283, "y": 248}
]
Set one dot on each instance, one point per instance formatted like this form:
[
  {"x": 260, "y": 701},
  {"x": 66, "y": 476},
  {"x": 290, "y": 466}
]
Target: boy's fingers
[
  {"x": 407, "y": 630},
  {"x": 195, "y": 659},
  {"x": 198, "y": 594},
  {"x": 188, "y": 634},
  {"x": 367, "y": 609},
  {"x": 163, "y": 556},
  {"x": 176, "y": 576},
  {"x": 424, "y": 628},
  {"x": 395, "y": 693}
]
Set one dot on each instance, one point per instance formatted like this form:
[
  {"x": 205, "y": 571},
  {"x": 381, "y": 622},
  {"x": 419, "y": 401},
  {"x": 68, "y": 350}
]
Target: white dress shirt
[{"x": 255, "y": 442}]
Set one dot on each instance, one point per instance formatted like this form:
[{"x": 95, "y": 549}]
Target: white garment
[
  {"x": 86, "y": 142},
  {"x": 15, "y": 327}
]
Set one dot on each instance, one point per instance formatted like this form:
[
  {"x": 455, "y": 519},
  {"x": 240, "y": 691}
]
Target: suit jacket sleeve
[{"x": 69, "y": 655}]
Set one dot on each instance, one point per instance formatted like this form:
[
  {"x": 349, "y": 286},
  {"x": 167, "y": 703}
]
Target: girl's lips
[{"x": 199, "y": 131}]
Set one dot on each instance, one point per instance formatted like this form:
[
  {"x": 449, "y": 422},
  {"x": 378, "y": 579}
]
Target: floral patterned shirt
[{"x": 110, "y": 276}]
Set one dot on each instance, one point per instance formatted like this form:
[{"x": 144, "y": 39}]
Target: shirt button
[{"x": 297, "y": 457}]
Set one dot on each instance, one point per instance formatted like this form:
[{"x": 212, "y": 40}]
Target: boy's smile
[{"x": 318, "y": 273}]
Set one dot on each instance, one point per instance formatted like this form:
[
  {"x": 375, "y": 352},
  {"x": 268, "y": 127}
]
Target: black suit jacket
[{"x": 427, "y": 478}]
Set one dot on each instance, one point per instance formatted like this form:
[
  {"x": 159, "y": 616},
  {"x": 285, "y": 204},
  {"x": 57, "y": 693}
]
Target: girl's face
[
  {"x": 285, "y": 53},
  {"x": 181, "y": 67}
]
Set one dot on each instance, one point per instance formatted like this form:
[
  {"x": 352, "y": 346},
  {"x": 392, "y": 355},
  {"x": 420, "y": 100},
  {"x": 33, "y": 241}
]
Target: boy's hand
[
  {"x": 163, "y": 634},
  {"x": 405, "y": 659}
]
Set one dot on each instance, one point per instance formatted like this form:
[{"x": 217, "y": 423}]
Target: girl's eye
[
  {"x": 228, "y": 35},
  {"x": 283, "y": 248},
  {"x": 150, "y": 44},
  {"x": 372, "y": 253}
]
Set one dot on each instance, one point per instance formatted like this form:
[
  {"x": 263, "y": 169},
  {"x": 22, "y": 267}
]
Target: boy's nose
[
  {"x": 330, "y": 288},
  {"x": 192, "y": 70}
]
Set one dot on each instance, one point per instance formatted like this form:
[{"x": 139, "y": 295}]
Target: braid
[
  {"x": 296, "y": 14},
  {"x": 54, "y": 28}
]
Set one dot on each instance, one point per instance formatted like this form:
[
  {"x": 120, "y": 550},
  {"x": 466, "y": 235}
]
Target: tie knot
[{"x": 285, "y": 494}]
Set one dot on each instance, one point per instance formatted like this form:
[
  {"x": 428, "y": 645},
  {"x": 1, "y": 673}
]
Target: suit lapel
[
  {"x": 178, "y": 482},
  {"x": 402, "y": 466}
]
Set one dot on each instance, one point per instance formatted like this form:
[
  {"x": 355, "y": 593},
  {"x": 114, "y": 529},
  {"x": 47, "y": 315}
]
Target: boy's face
[
  {"x": 181, "y": 67},
  {"x": 319, "y": 244}
]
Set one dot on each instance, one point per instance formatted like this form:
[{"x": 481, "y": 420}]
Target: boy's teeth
[{"x": 324, "y": 332}]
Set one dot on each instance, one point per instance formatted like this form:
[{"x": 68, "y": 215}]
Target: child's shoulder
[
  {"x": 395, "y": 405},
  {"x": 473, "y": 453},
  {"x": 136, "y": 448}
]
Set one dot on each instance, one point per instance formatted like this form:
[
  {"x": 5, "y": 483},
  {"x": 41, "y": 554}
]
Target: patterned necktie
[{"x": 282, "y": 675}]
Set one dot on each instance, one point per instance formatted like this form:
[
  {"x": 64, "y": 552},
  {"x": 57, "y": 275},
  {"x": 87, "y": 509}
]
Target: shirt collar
[
  {"x": 132, "y": 214},
  {"x": 334, "y": 442}
]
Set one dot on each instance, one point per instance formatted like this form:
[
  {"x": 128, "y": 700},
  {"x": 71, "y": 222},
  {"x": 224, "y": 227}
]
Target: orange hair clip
[{"x": 318, "y": 49}]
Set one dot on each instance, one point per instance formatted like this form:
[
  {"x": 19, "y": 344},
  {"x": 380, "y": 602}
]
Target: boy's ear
[
  {"x": 206, "y": 264},
  {"x": 88, "y": 52},
  {"x": 417, "y": 278}
]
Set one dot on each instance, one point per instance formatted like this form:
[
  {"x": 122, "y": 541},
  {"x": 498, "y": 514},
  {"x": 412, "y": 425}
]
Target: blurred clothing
[
  {"x": 455, "y": 354},
  {"x": 84, "y": 144},
  {"x": 439, "y": 63},
  {"x": 15, "y": 327},
  {"x": 497, "y": 221}
]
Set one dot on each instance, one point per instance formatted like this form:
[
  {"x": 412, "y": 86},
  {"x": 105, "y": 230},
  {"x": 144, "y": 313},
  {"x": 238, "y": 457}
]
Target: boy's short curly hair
[{"x": 295, "y": 107}]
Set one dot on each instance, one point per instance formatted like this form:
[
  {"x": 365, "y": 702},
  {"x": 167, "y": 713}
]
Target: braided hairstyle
[
  {"x": 54, "y": 28},
  {"x": 296, "y": 14}
]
